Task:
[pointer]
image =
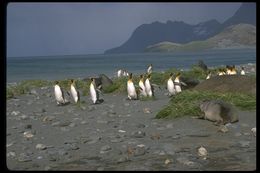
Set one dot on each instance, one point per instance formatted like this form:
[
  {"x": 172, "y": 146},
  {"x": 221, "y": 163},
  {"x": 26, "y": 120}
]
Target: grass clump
[
  {"x": 24, "y": 87},
  {"x": 187, "y": 103}
]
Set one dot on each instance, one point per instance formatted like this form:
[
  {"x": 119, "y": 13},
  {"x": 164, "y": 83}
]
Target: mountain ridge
[{"x": 181, "y": 32}]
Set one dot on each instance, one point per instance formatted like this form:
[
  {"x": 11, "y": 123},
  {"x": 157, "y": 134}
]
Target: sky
[{"x": 46, "y": 29}]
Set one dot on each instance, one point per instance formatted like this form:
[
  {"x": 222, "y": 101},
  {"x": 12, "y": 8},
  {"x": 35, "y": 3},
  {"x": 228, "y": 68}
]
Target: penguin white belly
[
  {"x": 93, "y": 93},
  {"x": 170, "y": 87},
  {"x": 142, "y": 90},
  {"x": 177, "y": 86},
  {"x": 148, "y": 88},
  {"x": 74, "y": 93},
  {"x": 131, "y": 90},
  {"x": 242, "y": 72},
  {"x": 58, "y": 94},
  {"x": 149, "y": 70},
  {"x": 119, "y": 73}
]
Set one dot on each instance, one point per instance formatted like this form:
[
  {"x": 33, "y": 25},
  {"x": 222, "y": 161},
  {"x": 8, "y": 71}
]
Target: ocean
[{"x": 83, "y": 66}]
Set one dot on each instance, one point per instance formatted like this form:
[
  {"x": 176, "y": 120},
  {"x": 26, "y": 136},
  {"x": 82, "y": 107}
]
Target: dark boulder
[{"x": 202, "y": 65}]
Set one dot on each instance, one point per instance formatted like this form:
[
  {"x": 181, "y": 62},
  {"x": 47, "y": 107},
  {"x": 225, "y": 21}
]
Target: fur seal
[{"x": 218, "y": 111}]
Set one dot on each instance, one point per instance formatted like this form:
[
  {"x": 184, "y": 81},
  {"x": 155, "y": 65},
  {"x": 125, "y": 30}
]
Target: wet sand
[{"x": 120, "y": 134}]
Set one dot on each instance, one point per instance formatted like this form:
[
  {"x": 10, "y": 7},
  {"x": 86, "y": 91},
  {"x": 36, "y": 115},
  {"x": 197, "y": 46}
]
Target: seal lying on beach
[{"x": 218, "y": 111}]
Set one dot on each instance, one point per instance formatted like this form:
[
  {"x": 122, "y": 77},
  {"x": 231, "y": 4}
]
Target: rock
[
  {"x": 72, "y": 125},
  {"x": 253, "y": 130},
  {"x": 167, "y": 161},
  {"x": 155, "y": 136},
  {"x": 62, "y": 152},
  {"x": 202, "y": 152},
  {"x": 92, "y": 108},
  {"x": 244, "y": 144},
  {"x": 24, "y": 117},
  {"x": 238, "y": 134},
  {"x": 169, "y": 126},
  {"x": 123, "y": 159},
  {"x": 11, "y": 154},
  {"x": 23, "y": 157},
  {"x": 139, "y": 125},
  {"x": 105, "y": 149},
  {"x": 41, "y": 147},
  {"x": 185, "y": 161},
  {"x": 147, "y": 110},
  {"x": 64, "y": 124},
  {"x": 105, "y": 81},
  {"x": 73, "y": 146},
  {"x": 83, "y": 122},
  {"x": 28, "y": 134},
  {"x": 55, "y": 124},
  {"x": 127, "y": 104},
  {"x": 138, "y": 134},
  {"x": 202, "y": 65},
  {"x": 33, "y": 92},
  {"x": 102, "y": 121},
  {"x": 223, "y": 129},
  {"x": 121, "y": 131},
  {"x": 28, "y": 126},
  {"x": 48, "y": 118},
  {"x": 139, "y": 150},
  {"x": 15, "y": 113}
]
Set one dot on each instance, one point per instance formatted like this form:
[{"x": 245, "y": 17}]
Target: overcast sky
[{"x": 43, "y": 29}]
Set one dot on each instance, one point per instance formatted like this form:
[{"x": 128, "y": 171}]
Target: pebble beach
[{"x": 121, "y": 134}]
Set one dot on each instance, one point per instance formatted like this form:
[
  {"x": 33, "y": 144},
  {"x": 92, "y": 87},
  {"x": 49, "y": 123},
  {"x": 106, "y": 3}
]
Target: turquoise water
[{"x": 82, "y": 66}]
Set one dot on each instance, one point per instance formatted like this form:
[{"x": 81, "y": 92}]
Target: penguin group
[
  {"x": 144, "y": 88},
  {"x": 228, "y": 70}
]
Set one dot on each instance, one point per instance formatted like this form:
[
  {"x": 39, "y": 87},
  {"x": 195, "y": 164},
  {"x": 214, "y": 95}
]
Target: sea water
[{"x": 84, "y": 66}]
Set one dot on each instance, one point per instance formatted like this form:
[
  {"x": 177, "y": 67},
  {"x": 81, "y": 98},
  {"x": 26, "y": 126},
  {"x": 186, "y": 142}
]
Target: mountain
[
  {"x": 235, "y": 36},
  {"x": 180, "y": 32},
  {"x": 245, "y": 14}
]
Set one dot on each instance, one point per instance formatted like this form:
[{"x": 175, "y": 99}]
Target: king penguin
[
  {"x": 233, "y": 70},
  {"x": 170, "y": 86},
  {"x": 209, "y": 75},
  {"x": 131, "y": 88},
  {"x": 177, "y": 82},
  {"x": 242, "y": 71},
  {"x": 74, "y": 92},
  {"x": 148, "y": 87},
  {"x": 142, "y": 87},
  {"x": 94, "y": 92},
  {"x": 59, "y": 94},
  {"x": 149, "y": 69}
]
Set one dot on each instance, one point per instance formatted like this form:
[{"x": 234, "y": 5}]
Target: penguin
[
  {"x": 74, "y": 92},
  {"x": 178, "y": 83},
  {"x": 228, "y": 69},
  {"x": 148, "y": 87},
  {"x": 125, "y": 73},
  {"x": 149, "y": 69},
  {"x": 209, "y": 75},
  {"x": 142, "y": 87},
  {"x": 242, "y": 71},
  {"x": 119, "y": 73},
  {"x": 59, "y": 94},
  {"x": 94, "y": 92},
  {"x": 221, "y": 72},
  {"x": 131, "y": 88},
  {"x": 170, "y": 86},
  {"x": 233, "y": 70}
]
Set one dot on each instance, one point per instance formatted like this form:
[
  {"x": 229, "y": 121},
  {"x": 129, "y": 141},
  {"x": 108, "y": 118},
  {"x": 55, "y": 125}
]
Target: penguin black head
[
  {"x": 92, "y": 79},
  {"x": 72, "y": 80},
  {"x": 178, "y": 74},
  {"x": 171, "y": 74},
  {"x": 242, "y": 68},
  {"x": 130, "y": 76},
  {"x": 141, "y": 76},
  {"x": 149, "y": 76},
  {"x": 56, "y": 82}
]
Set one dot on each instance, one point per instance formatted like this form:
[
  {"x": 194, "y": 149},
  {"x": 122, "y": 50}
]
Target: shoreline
[{"x": 249, "y": 67}]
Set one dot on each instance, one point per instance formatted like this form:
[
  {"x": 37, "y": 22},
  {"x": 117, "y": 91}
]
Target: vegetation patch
[{"x": 187, "y": 103}]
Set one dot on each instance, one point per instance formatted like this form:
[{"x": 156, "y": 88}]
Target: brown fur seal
[{"x": 218, "y": 111}]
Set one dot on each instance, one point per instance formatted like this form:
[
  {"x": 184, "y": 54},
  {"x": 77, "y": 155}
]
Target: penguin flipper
[
  {"x": 183, "y": 83},
  {"x": 99, "y": 91},
  {"x": 78, "y": 95}
]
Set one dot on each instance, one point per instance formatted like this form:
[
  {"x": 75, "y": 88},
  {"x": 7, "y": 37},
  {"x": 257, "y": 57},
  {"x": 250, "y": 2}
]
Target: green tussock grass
[
  {"x": 187, "y": 103},
  {"x": 24, "y": 87}
]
